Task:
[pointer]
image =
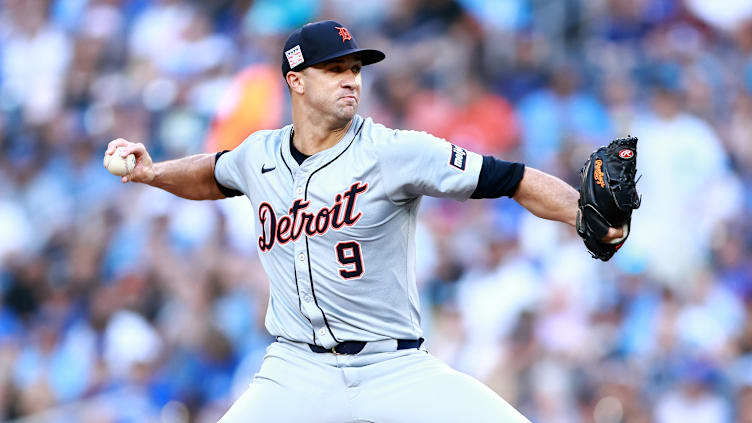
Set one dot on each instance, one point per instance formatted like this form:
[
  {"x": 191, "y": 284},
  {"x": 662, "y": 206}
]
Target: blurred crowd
[{"x": 122, "y": 303}]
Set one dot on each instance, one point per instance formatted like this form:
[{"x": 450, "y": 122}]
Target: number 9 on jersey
[{"x": 351, "y": 258}]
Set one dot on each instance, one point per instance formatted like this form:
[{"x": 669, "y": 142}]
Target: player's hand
[
  {"x": 608, "y": 196},
  {"x": 613, "y": 234},
  {"x": 144, "y": 170}
]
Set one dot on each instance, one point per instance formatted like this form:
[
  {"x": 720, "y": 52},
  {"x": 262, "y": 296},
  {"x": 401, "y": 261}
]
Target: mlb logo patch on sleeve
[
  {"x": 458, "y": 158},
  {"x": 294, "y": 56}
]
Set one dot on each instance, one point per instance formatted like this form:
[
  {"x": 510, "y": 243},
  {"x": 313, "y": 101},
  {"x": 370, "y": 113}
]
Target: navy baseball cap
[{"x": 321, "y": 41}]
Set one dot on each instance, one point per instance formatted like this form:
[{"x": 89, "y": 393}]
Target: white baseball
[{"x": 118, "y": 165}]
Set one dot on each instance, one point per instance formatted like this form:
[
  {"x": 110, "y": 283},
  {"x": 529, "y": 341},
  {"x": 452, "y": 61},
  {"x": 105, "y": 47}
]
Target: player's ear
[{"x": 295, "y": 82}]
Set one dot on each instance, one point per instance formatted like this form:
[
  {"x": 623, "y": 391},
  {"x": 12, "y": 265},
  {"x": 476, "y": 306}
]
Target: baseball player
[{"x": 335, "y": 198}]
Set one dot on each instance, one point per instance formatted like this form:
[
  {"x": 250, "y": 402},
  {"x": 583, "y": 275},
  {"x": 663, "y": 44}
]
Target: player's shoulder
[
  {"x": 379, "y": 135},
  {"x": 374, "y": 133},
  {"x": 268, "y": 136},
  {"x": 265, "y": 139}
]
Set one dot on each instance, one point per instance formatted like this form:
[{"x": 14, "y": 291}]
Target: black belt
[{"x": 354, "y": 347}]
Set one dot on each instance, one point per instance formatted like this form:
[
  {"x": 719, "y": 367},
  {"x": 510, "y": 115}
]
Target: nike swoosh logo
[{"x": 266, "y": 169}]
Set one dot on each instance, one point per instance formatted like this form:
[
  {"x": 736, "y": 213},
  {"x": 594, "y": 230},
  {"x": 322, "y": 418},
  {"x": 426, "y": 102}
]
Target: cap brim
[{"x": 367, "y": 57}]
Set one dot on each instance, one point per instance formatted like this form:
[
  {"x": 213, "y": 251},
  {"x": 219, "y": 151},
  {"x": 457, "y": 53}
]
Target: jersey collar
[{"x": 324, "y": 156}]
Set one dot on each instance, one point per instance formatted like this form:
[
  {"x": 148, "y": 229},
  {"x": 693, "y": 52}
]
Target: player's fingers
[
  {"x": 136, "y": 149},
  {"x": 114, "y": 144},
  {"x": 614, "y": 235}
]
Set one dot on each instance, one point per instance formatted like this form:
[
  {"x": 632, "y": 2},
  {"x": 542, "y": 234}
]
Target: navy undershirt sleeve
[
  {"x": 227, "y": 192},
  {"x": 498, "y": 178}
]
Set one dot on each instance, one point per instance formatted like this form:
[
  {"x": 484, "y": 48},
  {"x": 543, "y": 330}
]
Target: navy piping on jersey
[
  {"x": 294, "y": 266},
  {"x": 305, "y": 197},
  {"x": 283, "y": 158},
  {"x": 313, "y": 292},
  {"x": 300, "y": 305}
]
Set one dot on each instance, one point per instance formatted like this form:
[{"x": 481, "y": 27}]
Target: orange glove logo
[{"x": 598, "y": 173}]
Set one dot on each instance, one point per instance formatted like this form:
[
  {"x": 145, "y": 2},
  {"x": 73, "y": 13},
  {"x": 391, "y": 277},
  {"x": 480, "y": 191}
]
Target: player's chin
[{"x": 347, "y": 111}]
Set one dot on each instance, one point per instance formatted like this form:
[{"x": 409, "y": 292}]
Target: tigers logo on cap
[
  {"x": 294, "y": 56},
  {"x": 344, "y": 33}
]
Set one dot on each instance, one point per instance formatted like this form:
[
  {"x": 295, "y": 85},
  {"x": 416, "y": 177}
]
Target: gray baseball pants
[{"x": 379, "y": 384}]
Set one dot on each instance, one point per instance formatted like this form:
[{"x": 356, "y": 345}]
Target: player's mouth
[{"x": 349, "y": 97}]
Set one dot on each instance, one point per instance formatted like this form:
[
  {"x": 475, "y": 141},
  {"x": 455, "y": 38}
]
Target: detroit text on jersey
[{"x": 298, "y": 221}]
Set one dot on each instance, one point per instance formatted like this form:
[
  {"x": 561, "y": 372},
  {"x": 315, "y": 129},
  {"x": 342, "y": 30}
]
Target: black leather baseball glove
[{"x": 608, "y": 194}]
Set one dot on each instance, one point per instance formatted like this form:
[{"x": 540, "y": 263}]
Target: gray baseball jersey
[{"x": 336, "y": 233}]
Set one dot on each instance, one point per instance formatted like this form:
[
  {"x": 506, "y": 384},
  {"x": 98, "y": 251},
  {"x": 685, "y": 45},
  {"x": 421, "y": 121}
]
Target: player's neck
[{"x": 311, "y": 136}]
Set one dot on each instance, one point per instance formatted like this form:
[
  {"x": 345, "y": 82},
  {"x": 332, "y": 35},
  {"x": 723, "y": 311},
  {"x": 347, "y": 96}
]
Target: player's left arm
[
  {"x": 548, "y": 197},
  {"x": 415, "y": 163}
]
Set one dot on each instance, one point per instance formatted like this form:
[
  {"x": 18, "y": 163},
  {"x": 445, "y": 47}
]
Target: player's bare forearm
[
  {"x": 547, "y": 196},
  {"x": 190, "y": 177}
]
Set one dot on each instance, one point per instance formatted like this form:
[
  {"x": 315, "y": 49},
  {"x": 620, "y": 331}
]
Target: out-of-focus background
[{"x": 122, "y": 303}]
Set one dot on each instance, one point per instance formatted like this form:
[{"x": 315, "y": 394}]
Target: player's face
[{"x": 333, "y": 87}]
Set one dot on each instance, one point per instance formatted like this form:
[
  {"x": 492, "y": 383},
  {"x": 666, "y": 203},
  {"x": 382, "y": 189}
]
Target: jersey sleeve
[
  {"x": 229, "y": 170},
  {"x": 416, "y": 163}
]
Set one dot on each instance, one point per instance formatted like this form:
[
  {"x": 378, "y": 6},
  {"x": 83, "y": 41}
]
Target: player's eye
[{"x": 355, "y": 69}]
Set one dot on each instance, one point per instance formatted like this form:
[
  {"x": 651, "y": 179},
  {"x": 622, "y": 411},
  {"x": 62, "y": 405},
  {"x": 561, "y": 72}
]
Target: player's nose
[
  {"x": 348, "y": 83},
  {"x": 349, "y": 79}
]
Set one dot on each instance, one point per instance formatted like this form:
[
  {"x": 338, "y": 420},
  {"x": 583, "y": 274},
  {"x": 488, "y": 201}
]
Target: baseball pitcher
[{"x": 335, "y": 198}]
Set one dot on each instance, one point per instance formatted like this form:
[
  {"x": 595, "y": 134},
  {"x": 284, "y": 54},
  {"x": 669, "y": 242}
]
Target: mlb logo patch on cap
[{"x": 294, "y": 56}]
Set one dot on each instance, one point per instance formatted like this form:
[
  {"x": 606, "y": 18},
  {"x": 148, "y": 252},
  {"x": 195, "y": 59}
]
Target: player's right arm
[{"x": 190, "y": 177}]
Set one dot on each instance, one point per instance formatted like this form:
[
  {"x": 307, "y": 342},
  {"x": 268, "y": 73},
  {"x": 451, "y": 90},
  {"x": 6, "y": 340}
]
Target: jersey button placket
[
  {"x": 303, "y": 272},
  {"x": 301, "y": 266},
  {"x": 314, "y": 314}
]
